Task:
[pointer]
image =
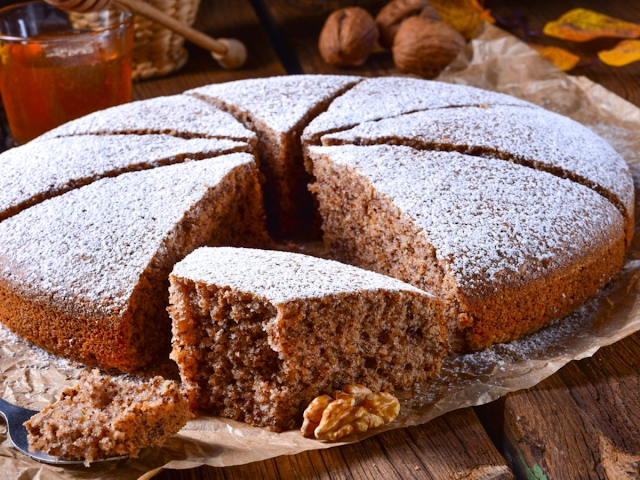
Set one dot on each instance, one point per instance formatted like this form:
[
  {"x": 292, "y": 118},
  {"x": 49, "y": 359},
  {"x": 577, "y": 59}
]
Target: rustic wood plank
[
  {"x": 452, "y": 446},
  {"x": 583, "y": 422},
  {"x": 220, "y": 19}
]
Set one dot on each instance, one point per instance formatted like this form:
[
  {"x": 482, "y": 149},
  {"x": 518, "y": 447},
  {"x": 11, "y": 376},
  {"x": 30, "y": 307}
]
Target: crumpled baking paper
[{"x": 496, "y": 61}]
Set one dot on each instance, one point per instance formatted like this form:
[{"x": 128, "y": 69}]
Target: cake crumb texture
[
  {"x": 105, "y": 416},
  {"x": 278, "y": 109},
  {"x": 258, "y": 334}
]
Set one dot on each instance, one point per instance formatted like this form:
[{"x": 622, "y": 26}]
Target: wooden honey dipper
[{"x": 228, "y": 52}]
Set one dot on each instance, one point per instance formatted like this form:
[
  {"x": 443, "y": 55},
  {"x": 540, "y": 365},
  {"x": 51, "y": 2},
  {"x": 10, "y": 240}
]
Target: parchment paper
[{"x": 497, "y": 61}]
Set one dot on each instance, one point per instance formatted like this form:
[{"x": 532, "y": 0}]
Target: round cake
[{"x": 513, "y": 215}]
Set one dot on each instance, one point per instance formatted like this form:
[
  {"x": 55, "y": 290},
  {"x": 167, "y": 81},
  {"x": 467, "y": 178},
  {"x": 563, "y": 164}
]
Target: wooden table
[{"x": 583, "y": 422}]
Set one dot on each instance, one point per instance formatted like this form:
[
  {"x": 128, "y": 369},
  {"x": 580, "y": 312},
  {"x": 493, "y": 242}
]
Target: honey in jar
[{"x": 47, "y": 79}]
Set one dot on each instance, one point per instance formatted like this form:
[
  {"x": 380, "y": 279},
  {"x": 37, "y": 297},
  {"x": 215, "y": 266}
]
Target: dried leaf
[
  {"x": 624, "y": 53},
  {"x": 463, "y": 15},
  {"x": 561, "y": 58},
  {"x": 581, "y": 25}
]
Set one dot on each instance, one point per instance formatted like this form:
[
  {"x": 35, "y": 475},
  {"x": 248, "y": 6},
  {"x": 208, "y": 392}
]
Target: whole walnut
[
  {"x": 424, "y": 46},
  {"x": 348, "y": 37},
  {"x": 395, "y": 12}
]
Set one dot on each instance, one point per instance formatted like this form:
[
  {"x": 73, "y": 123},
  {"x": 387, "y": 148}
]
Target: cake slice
[
  {"x": 386, "y": 97},
  {"x": 48, "y": 168},
  {"x": 533, "y": 137},
  {"x": 177, "y": 115},
  {"x": 278, "y": 109},
  {"x": 258, "y": 334},
  {"x": 105, "y": 416},
  {"x": 85, "y": 275},
  {"x": 508, "y": 248}
]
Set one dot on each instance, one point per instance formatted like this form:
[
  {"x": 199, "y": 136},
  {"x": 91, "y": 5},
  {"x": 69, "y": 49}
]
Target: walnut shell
[
  {"x": 424, "y": 46},
  {"x": 395, "y": 12},
  {"x": 348, "y": 37}
]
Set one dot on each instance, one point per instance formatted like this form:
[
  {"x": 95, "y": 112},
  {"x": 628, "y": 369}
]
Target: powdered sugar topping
[
  {"x": 178, "y": 115},
  {"x": 279, "y": 102},
  {"x": 378, "y": 98},
  {"x": 40, "y": 170},
  {"x": 280, "y": 276},
  {"x": 545, "y": 139}
]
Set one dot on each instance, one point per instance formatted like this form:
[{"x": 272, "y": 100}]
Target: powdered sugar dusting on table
[
  {"x": 491, "y": 221},
  {"x": 92, "y": 244},
  {"x": 178, "y": 115},
  {"x": 281, "y": 276},
  {"x": 47, "y": 168},
  {"x": 379, "y": 98},
  {"x": 280, "y": 102},
  {"x": 531, "y": 134}
]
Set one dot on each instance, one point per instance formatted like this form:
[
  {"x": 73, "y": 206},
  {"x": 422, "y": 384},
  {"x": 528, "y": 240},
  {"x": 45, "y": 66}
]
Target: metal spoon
[{"x": 15, "y": 417}]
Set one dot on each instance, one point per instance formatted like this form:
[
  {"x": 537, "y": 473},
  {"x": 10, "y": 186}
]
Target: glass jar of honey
[{"x": 56, "y": 66}]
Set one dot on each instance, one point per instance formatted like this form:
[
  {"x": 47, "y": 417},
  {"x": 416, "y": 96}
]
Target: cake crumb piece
[{"x": 106, "y": 416}]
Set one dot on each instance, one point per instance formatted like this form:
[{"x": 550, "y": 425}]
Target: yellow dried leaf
[
  {"x": 624, "y": 53},
  {"x": 463, "y": 15},
  {"x": 581, "y": 25},
  {"x": 561, "y": 58}
]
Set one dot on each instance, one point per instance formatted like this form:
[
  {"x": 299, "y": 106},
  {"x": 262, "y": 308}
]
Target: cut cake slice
[
  {"x": 386, "y": 97},
  {"x": 105, "y": 416},
  {"x": 45, "y": 169},
  {"x": 278, "y": 109},
  {"x": 533, "y": 137},
  {"x": 258, "y": 334},
  {"x": 177, "y": 115},
  {"x": 508, "y": 248},
  {"x": 85, "y": 275}
]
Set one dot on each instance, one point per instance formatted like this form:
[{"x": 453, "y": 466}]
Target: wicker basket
[{"x": 158, "y": 51}]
